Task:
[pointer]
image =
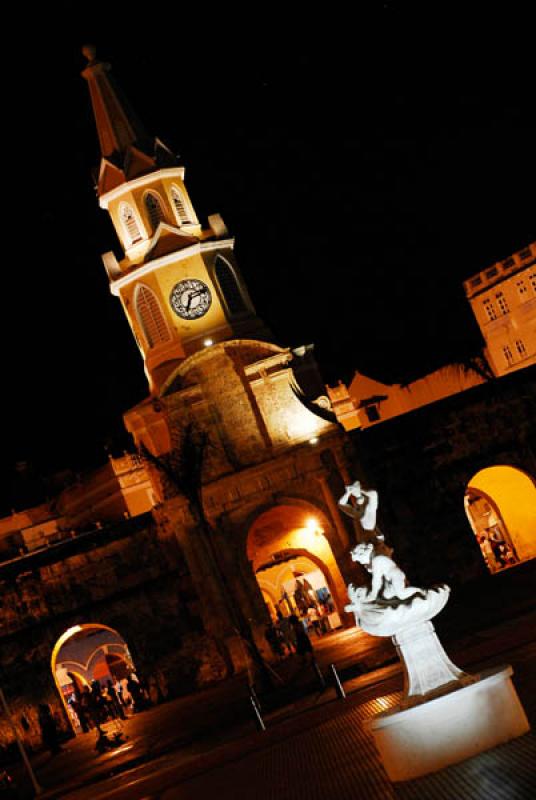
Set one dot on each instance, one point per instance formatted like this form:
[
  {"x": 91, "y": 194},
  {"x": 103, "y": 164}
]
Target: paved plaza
[{"x": 314, "y": 746}]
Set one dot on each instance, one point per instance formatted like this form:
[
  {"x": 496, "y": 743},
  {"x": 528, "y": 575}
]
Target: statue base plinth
[
  {"x": 450, "y": 728},
  {"x": 428, "y": 671}
]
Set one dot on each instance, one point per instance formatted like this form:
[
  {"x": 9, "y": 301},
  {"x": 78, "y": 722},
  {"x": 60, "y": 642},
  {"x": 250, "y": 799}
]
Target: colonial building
[
  {"x": 457, "y": 481},
  {"x": 454, "y": 452},
  {"x": 503, "y": 300},
  {"x": 170, "y": 561},
  {"x": 123, "y": 570}
]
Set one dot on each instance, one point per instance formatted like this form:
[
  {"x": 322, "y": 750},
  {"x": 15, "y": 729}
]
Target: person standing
[
  {"x": 314, "y": 620},
  {"x": 304, "y": 648},
  {"x": 49, "y": 731},
  {"x": 114, "y": 700}
]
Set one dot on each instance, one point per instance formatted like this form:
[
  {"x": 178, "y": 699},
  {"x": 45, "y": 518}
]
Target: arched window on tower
[
  {"x": 180, "y": 206},
  {"x": 229, "y": 286},
  {"x": 150, "y": 316},
  {"x": 155, "y": 211},
  {"x": 130, "y": 223}
]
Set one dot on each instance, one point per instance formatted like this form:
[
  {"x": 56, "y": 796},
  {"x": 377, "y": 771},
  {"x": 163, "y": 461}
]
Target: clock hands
[
  {"x": 193, "y": 293},
  {"x": 190, "y": 298}
]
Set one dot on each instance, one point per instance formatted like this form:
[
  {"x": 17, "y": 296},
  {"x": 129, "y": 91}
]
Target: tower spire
[{"x": 127, "y": 150}]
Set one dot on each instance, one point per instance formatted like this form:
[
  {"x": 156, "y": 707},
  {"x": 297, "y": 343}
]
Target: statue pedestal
[
  {"x": 428, "y": 671},
  {"x": 445, "y": 715},
  {"x": 444, "y": 730}
]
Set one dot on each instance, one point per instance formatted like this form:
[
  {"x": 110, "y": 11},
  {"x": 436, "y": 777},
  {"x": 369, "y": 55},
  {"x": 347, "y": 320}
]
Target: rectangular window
[
  {"x": 524, "y": 254},
  {"x": 508, "y": 355},
  {"x": 521, "y": 287},
  {"x": 520, "y": 347},
  {"x": 373, "y": 415},
  {"x": 508, "y": 263},
  {"x": 490, "y": 273},
  {"x": 532, "y": 279},
  {"x": 490, "y": 310},
  {"x": 476, "y": 281},
  {"x": 501, "y": 302}
]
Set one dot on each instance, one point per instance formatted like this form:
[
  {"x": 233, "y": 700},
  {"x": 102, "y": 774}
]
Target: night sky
[{"x": 366, "y": 167}]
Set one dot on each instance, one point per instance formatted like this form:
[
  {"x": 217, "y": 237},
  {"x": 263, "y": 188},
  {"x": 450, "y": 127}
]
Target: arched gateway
[
  {"x": 500, "y": 503},
  {"x": 294, "y": 563},
  {"x": 86, "y": 653}
]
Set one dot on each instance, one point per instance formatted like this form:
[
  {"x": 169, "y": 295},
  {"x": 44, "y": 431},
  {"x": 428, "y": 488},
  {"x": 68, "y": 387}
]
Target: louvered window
[
  {"x": 130, "y": 223},
  {"x": 180, "y": 207},
  {"x": 151, "y": 317},
  {"x": 229, "y": 286},
  {"x": 155, "y": 212}
]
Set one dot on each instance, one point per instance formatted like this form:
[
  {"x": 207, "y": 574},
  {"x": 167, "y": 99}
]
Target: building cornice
[
  {"x": 153, "y": 266},
  {"x": 218, "y": 244},
  {"x": 163, "y": 261},
  {"x": 488, "y": 278}
]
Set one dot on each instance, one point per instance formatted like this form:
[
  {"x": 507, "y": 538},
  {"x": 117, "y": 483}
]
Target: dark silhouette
[
  {"x": 304, "y": 648},
  {"x": 49, "y": 731},
  {"x": 114, "y": 705},
  {"x": 275, "y": 640}
]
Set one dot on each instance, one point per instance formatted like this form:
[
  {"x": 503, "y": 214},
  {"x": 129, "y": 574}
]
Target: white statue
[
  {"x": 390, "y": 604},
  {"x": 365, "y": 508},
  {"x": 388, "y": 580},
  {"x": 442, "y": 718}
]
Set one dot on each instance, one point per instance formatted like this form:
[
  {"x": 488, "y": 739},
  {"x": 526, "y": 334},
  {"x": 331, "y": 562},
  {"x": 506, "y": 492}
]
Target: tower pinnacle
[{"x": 127, "y": 150}]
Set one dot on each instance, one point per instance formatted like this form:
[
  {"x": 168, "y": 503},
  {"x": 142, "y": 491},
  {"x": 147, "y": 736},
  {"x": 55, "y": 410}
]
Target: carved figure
[
  {"x": 365, "y": 507},
  {"x": 388, "y": 580},
  {"x": 357, "y": 595}
]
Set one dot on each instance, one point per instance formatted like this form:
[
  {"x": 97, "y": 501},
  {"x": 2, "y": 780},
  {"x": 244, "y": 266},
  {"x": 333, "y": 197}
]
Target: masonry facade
[{"x": 124, "y": 550}]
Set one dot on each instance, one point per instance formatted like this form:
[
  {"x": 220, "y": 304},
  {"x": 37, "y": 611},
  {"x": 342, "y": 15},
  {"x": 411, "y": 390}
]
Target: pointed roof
[
  {"x": 168, "y": 239},
  {"x": 127, "y": 150}
]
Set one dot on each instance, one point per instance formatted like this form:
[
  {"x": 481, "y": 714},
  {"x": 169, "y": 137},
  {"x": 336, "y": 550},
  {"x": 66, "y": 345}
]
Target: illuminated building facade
[
  {"x": 116, "y": 558},
  {"x": 211, "y": 363},
  {"x": 503, "y": 299}
]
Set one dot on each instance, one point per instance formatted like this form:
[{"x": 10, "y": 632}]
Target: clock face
[{"x": 190, "y": 298}]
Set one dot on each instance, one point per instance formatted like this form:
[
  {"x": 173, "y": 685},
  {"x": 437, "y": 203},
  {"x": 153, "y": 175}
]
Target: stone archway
[
  {"x": 500, "y": 503},
  {"x": 282, "y": 535},
  {"x": 83, "y": 654}
]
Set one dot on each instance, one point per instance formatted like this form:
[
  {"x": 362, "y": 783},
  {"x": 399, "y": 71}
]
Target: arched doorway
[
  {"x": 84, "y": 654},
  {"x": 294, "y": 581},
  {"x": 500, "y": 503},
  {"x": 295, "y": 566}
]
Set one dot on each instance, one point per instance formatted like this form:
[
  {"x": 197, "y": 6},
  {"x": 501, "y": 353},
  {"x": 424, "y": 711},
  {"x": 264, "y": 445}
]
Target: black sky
[{"x": 366, "y": 166}]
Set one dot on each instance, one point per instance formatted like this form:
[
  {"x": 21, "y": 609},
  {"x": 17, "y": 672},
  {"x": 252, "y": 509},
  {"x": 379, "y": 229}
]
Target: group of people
[
  {"x": 288, "y": 635},
  {"x": 497, "y": 553},
  {"x": 99, "y": 703},
  {"x": 317, "y": 620}
]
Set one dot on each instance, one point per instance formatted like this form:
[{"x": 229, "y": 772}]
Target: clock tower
[{"x": 178, "y": 283}]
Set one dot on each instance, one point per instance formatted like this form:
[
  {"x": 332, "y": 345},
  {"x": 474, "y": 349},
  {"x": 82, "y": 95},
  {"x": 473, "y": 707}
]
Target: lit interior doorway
[
  {"x": 500, "y": 503},
  {"x": 295, "y": 566},
  {"x": 84, "y": 654},
  {"x": 292, "y": 584}
]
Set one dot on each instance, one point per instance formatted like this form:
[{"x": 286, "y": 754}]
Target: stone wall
[
  {"x": 422, "y": 462},
  {"x": 131, "y": 577}
]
